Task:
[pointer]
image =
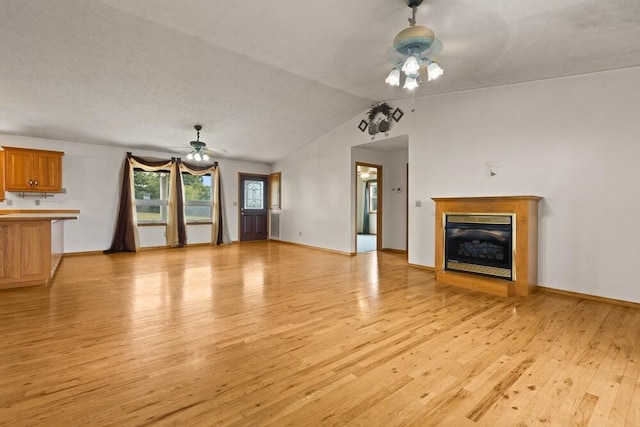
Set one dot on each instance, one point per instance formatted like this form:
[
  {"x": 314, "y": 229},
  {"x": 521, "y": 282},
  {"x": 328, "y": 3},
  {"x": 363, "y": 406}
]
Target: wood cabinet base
[{"x": 30, "y": 251}]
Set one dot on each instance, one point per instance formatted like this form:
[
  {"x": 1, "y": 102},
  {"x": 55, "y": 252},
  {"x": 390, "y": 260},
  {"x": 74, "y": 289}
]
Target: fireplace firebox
[{"x": 481, "y": 244}]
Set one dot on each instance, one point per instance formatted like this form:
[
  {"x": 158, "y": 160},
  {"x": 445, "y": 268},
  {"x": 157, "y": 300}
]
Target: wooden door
[
  {"x": 47, "y": 170},
  {"x": 253, "y": 207},
  {"x": 19, "y": 172}
]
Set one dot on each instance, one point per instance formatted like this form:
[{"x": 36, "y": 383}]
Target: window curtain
[
  {"x": 365, "y": 217},
  {"x": 176, "y": 221},
  {"x": 125, "y": 238},
  {"x": 219, "y": 235}
]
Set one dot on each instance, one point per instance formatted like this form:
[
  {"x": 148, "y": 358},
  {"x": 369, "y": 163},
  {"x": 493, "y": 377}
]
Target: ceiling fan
[{"x": 198, "y": 152}]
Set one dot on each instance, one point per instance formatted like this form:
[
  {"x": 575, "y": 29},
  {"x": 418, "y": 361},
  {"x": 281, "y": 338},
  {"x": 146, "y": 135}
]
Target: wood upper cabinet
[{"x": 33, "y": 170}]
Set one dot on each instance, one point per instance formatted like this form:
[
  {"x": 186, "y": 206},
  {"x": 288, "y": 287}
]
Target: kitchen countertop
[{"x": 38, "y": 214}]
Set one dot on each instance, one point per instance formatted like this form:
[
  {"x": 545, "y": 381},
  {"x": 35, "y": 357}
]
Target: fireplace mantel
[{"x": 525, "y": 248}]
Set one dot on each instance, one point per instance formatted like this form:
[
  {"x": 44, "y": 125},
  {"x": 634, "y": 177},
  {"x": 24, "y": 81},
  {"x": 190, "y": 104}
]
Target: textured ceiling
[{"x": 265, "y": 77}]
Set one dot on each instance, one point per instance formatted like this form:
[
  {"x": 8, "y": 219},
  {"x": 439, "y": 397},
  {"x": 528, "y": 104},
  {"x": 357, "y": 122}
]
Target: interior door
[{"x": 253, "y": 207}]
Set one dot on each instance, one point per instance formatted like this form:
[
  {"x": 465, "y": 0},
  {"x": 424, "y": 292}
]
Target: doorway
[
  {"x": 368, "y": 207},
  {"x": 252, "y": 193}
]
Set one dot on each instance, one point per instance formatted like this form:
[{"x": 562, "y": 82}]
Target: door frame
[
  {"x": 380, "y": 204},
  {"x": 266, "y": 201},
  {"x": 406, "y": 213}
]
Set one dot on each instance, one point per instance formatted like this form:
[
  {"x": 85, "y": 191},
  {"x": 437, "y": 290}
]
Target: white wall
[
  {"x": 317, "y": 188},
  {"x": 317, "y": 206},
  {"x": 573, "y": 141},
  {"x": 395, "y": 203},
  {"x": 92, "y": 174}
]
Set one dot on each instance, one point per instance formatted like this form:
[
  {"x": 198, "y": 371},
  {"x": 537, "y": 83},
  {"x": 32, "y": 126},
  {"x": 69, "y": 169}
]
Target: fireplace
[
  {"x": 480, "y": 244},
  {"x": 488, "y": 244}
]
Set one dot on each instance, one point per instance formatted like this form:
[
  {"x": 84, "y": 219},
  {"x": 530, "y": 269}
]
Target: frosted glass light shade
[
  {"x": 393, "y": 78},
  {"x": 434, "y": 71},
  {"x": 411, "y": 66},
  {"x": 411, "y": 83}
]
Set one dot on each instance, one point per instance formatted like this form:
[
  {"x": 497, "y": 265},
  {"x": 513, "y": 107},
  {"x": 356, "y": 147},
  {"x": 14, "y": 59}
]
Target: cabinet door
[
  {"x": 10, "y": 251},
  {"x": 48, "y": 171},
  {"x": 35, "y": 259},
  {"x": 24, "y": 253},
  {"x": 19, "y": 173}
]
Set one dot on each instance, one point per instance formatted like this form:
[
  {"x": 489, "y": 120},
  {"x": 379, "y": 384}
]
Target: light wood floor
[{"x": 260, "y": 334}]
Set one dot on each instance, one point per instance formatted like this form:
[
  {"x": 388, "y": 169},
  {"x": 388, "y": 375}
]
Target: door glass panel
[{"x": 253, "y": 194}]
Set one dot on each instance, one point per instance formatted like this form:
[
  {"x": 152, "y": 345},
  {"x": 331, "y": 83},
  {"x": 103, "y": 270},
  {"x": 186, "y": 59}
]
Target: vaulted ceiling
[{"x": 266, "y": 77}]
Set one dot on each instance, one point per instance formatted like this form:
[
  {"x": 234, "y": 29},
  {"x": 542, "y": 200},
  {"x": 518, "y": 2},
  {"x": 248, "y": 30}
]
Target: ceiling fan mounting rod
[{"x": 413, "y": 4}]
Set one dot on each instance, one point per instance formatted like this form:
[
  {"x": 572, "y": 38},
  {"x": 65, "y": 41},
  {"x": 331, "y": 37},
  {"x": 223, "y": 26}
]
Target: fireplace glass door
[{"x": 479, "y": 244}]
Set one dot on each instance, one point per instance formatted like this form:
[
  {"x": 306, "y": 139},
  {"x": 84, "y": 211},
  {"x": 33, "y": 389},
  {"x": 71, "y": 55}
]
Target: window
[
  {"x": 274, "y": 190},
  {"x": 198, "y": 194},
  {"x": 152, "y": 196},
  {"x": 253, "y": 194},
  {"x": 373, "y": 197}
]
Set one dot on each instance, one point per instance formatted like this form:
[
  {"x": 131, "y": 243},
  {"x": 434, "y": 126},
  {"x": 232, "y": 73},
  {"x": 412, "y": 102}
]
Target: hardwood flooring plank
[{"x": 275, "y": 334}]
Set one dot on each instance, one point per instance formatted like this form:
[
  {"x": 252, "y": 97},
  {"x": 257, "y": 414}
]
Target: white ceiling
[{"x": 265, "y": 77}]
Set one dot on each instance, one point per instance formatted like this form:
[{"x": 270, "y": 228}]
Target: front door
[{"x": 253, "y": 207}]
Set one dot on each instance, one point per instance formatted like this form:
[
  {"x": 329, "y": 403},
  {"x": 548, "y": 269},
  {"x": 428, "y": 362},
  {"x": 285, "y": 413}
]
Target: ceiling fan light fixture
[
  {"x": 393, "y": 78},
  {"x": 434, "y": 70},
  {"x": 411, "y": 66},
  {"x": 416, "y": 43},
  {"x": 411, "y": 83},
  {"x": 197, "y": 153}
]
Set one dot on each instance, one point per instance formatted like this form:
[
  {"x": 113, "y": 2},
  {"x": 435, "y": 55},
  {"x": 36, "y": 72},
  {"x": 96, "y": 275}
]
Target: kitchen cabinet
[
  {"x": 31, "y": 247},
  {"x": 29, "y": 170}
]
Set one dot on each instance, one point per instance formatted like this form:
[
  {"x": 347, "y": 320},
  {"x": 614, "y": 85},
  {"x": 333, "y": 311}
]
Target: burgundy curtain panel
[
  {"x": 182, "y": 228},
  {"x": 124, "y": 239}
]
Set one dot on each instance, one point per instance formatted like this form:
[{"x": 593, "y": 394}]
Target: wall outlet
[
  {"x": 9, "y": 202},
  {"x": 235, "y": 203},
  {"x": 64, "y": 191},
  {"x": 37, "y": 202},
  {"x": 418, "y": 203},
  {"x": 300, "y": 233}
]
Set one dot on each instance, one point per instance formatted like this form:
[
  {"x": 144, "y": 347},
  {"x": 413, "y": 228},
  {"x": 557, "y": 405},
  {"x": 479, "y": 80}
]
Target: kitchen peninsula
[{"x": 31, "y": 245}]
